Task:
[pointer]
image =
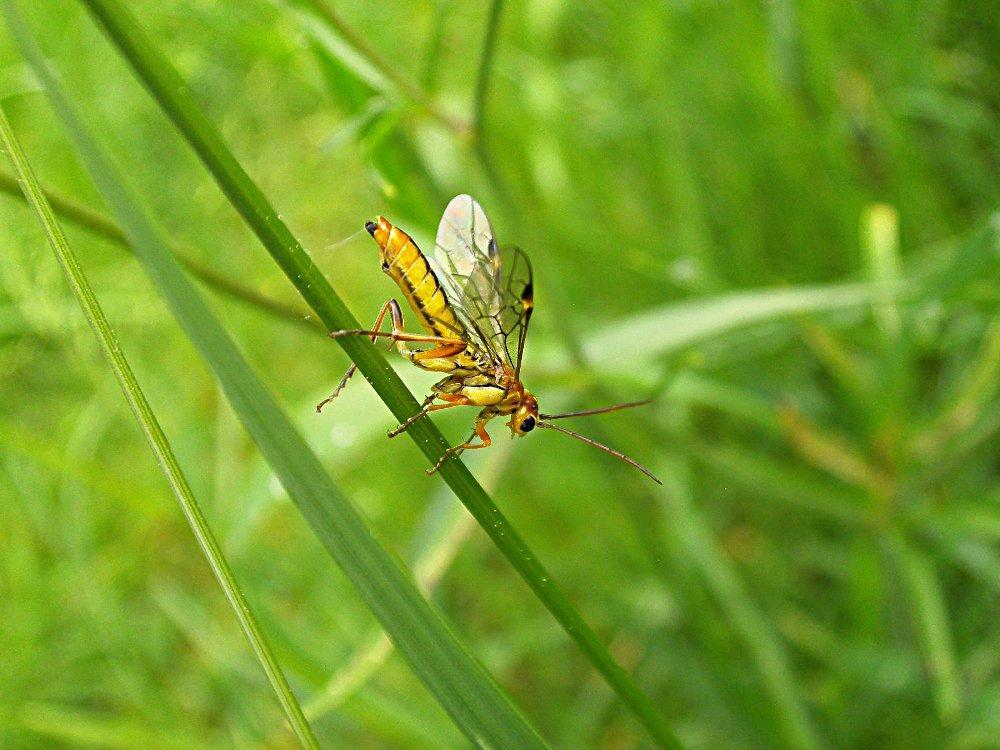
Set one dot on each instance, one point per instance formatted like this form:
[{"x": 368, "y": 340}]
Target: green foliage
[
  {"x": 777, "y": 220},
  {"x": 153, "y": 432}
]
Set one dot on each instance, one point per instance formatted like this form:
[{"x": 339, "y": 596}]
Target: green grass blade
[
  {"x": 100, "y": 224},
  {"x": 978, "y": 257},
  {"x": 930, "y": 616},
  {"x": 780, "y": 482},
  {"x": 154, "y": 434},
  {"x": 175, "y": 98},
  {"x": 486, "y": 67},
  {"x": 660, "y": 331},
  {"x": 445, "y": 528},
  {"x": 749, "y": 622},
  {"x": 71, "y": 727},
  {"x": 431, "y": 53},
  {"x": 880, "y": 239},
  {"x": 430, "y": 646},
  {"x": 378, "y": 132},
  {"x": 351, "y": 47},
  {"x": 691, "y": 389}
]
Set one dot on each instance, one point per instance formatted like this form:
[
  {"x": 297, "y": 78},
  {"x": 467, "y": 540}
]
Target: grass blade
[
  {"x": 430, "y": 646},
  {"x": 445, "y": 528},
  {"x": 695, "y": 536},
  {"x": 660, "y": 331},
  {"x": 98, "y": 223},
  {"x": 154, "y": 434},
  {"x": 880, "y": 238},
  {"x": 757, "y": 470},
  {"x": 358, "y": 55},
  {"x": 931, "y": 623},
  {"x": 486, "y": 67},
  {"x": 175, "y": 98},
  {"x": 71, "y": 727},
  {"x": 378, "y": 132},
  {"x": 751, "y": 624},
  {"x": 977, "y": 258}
]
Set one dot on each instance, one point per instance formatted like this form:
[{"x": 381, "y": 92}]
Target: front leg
[
  {"x": 480, "y": 432},
  {"x": 451, "y": 399}
]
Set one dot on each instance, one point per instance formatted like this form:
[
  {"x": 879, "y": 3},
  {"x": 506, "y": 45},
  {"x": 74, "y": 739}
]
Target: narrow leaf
[
  {"x": 176, "y": 101},
  {"x": 100, "y": 224},
  {"x": 747, "y": 620},
  {"x": 663, "y": 330},
  {"x": 930, "y": 616},
  {"x": 880, "y": 240},
  {"x": 154, "y": 434},
  {"x": 432, "y": 649}
]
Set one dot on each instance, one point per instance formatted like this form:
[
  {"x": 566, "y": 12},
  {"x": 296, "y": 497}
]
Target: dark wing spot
[{"x": 528, "y": 295}]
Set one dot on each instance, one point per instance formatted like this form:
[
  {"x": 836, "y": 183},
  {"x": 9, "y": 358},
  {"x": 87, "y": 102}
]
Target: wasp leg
[
  {"x": 480, "y": 431},
  {"x": 446, "y": 349},
  {"x": 353, "y": 368},
  {"x": 452, "y": 399},
  {"x": 397, "y": 334},
  {"x": 424, "y": 408}
]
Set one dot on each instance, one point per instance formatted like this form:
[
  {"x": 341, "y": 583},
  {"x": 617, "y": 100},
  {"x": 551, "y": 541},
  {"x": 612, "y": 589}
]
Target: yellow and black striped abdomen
[{"x": 403, "y": 261}]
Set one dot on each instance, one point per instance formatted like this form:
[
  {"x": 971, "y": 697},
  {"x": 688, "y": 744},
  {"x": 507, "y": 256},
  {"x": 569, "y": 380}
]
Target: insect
[{"x": 474, "y": 301}]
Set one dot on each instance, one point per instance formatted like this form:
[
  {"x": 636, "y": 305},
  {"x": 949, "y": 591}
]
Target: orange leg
[
  {"x": 455, "y": 399},
  {"x": 397, "y": 333},
  {"x": 445, "y": 351},
  {"x": 353, "y": 368},
  {"x": 479, "y": 431},
  {"x": 447, "y": 347},
  {"x": 451, "y": 398}
]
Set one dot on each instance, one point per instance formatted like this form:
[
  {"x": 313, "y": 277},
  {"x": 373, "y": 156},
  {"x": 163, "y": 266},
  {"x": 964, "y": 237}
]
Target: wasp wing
[
  {"x": 490, "y": 289},
  {"x": 516, "y": 303}
]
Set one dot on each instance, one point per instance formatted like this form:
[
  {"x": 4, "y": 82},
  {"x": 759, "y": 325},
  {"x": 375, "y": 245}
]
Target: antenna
[
  {"x": 602, "y": 410},
  {"x": 606, "y": 449}
]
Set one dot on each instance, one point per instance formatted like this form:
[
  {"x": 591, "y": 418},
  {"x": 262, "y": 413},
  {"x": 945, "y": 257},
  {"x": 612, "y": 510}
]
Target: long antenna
[
  {"x": 601, "y": 410},
  {"x": 606, "y": 449}
]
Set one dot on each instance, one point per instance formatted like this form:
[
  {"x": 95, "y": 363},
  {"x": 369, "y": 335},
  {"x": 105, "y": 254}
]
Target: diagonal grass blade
[
  {"x": 458, "y": 681},
  {"x": 154, "y": 434},
  {"x": 165, "y": 84},
  {"x": 100, "y": 224}
]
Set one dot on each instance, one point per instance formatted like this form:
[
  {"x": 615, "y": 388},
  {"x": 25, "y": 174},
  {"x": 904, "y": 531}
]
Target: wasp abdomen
[{"x": 406, "y": 264}]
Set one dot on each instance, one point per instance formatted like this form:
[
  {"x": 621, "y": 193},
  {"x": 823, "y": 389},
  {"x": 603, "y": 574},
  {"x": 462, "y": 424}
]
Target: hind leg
[
  {"x": 436, "y": 359},
  {"x": 353, "y": 368},
  {"x": 445, "y": 349}
]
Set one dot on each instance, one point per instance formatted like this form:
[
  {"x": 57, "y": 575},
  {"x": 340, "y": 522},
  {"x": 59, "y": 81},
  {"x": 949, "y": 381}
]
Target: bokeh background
[{"x": 775, "y": 219}]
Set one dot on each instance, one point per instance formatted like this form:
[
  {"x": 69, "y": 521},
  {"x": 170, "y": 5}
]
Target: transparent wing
[
  {"x": 489, "y": 289},
  {"x": 516, "y": 303}
]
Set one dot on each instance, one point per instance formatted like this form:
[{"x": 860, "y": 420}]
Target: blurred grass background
[{"x": 776, "y": 219}]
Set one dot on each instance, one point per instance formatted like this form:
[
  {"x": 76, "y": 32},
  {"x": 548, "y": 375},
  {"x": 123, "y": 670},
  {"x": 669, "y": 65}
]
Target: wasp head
[{"x": 525, "y": 417}]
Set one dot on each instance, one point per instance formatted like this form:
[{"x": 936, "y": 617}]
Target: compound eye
[
  {"x": 528, "y": 424},
  {"x": 385, "y": 266}
]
